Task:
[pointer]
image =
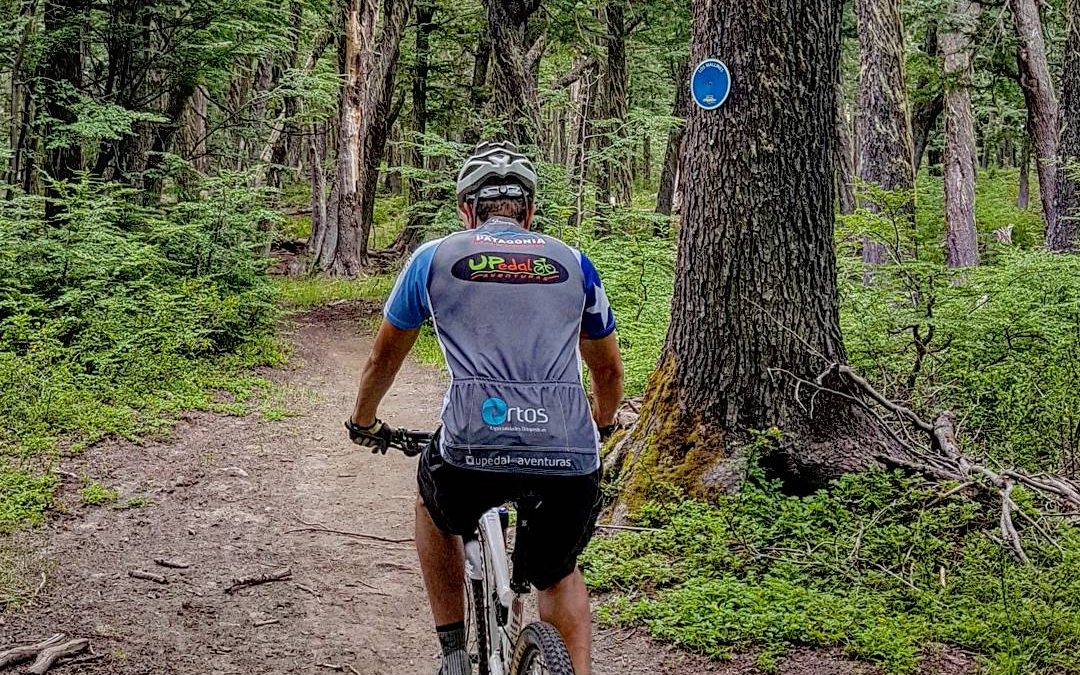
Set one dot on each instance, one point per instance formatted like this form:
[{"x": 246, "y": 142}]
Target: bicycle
[{"x": 495, "y": 586}]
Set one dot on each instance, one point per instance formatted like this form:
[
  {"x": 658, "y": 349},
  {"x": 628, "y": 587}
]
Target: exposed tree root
[
  {"x": 48, "y": 657},
  {"x": 939, "y": 457},
  {"x": 10, "y": 657}
]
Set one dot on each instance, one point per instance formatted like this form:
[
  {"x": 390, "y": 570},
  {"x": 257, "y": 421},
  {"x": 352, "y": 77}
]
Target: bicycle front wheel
[{"x": 540, "y": 650}]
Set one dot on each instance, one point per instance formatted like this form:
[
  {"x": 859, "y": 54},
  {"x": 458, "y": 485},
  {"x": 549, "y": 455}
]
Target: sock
[{"x": 455, "y": 659}]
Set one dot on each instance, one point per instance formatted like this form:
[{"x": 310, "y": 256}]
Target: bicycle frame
[{"x": 486, "y": 561}]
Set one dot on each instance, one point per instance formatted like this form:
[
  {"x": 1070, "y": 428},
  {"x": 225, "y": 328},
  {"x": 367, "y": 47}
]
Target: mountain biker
[{"x": 514, "y": 313}]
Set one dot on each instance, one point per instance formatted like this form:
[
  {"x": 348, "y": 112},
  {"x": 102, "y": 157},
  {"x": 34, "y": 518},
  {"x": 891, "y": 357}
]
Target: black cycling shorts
[{"x": 559, "y": 531}]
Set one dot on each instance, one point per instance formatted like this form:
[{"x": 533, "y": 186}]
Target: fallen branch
[
  {"x": 48, "y": 657},
  {"x": 10, "y": 657},
  {"x": 319, "y": 527},
  {"x": 148, "y": 576},
  {"x": 175, "y": 564},
  {"x": 267, "y": 622},
  {"x": 255, "y": 580}
]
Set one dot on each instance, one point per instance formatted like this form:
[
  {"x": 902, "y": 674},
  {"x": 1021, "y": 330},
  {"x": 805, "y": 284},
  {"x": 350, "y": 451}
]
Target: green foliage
[
  {"x": 879, "y": 565},
  {"x": 96, "y": 494},
  {"x": 302, "y": 293},
  {"x": 114, "y": 316},
  {"x": 23, "y": 497}
]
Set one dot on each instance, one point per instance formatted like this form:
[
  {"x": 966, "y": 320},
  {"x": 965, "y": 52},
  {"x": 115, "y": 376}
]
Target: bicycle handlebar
[{"x": 412, "y": 443}]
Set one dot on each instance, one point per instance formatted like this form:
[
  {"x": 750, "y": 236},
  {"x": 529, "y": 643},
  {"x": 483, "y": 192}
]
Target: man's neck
[{"x": 500, "y": 222}]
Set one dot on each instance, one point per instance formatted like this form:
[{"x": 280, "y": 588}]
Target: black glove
[
  {"x": 377, "y": 436},
  {"x": 605, "y": 432}
]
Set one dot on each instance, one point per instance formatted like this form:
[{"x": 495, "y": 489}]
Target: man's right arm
[{"x": 606, "y": 375}]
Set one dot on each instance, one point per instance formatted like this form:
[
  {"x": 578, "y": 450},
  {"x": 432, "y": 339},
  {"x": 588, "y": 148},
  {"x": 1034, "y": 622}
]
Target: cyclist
[{"x": 514, "y": 313}]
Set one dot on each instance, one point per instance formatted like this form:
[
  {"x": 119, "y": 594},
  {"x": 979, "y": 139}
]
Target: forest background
[{"x": 176, "y": 175}]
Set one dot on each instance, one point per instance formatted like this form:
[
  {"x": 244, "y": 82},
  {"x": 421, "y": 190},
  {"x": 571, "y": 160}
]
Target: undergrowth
[
  {"x": 115, "y": 317},
  {"x": 880, "y": 565}
]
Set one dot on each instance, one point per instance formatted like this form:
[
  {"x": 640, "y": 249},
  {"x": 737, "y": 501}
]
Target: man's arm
[
  {"x": 391, "y": 346},
  {"x": 606, "y": 374}
]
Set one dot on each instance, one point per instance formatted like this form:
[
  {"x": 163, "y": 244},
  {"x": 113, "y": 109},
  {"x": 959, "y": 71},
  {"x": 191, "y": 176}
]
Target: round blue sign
[
  {"x": 710, "y": 84},
  {"x": 493, "y": 411}
]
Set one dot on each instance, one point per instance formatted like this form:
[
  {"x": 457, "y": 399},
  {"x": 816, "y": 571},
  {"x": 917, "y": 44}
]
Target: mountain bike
[{"x": 495, "y": 585}]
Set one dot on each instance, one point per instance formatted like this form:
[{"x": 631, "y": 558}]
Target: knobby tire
[{"x": 541, "y": 642}]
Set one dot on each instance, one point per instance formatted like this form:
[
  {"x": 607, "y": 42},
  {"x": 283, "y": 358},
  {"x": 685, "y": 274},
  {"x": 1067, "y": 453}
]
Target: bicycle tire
[
  {"x": 541, "y": 642},
  {"x": 480, "y": 627}
]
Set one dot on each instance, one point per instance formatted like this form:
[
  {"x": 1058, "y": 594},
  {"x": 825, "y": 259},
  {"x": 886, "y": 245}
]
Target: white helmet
[{"x": 498, "y": 160}]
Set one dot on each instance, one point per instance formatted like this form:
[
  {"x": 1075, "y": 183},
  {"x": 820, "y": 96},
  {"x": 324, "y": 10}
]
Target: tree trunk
[
  {"x": 845, "y": 157},
  {"x": 582, "y": 93},
  {"x": 961, "y": 238},
  {"x": 925, "y": 113},
  {"x": 613, "y": 174},
  {"x": 410, "y": 236},
  {"x": 883, "y": 126},
  {"x": 317, "y": 160},
  {"x": 61, "y": 70},
  {"x": 1023, "y": 193},
  {"x": 517, "y": 103},
  {"x": 1038, "y": 91},
  {"x": 368, "y": 67},
  {"x": 755, "y": 300},
  {"x": 479, "y": 90},
  {"x": 1066, "y": 236},
  {"x": 666, "y": 194},
  {"x": 392, "y": 175}
]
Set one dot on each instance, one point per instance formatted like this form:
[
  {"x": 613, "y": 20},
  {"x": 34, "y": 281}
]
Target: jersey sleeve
[
  {"x": 408, "y": 305},
  {"x": 597, "y": 321}
]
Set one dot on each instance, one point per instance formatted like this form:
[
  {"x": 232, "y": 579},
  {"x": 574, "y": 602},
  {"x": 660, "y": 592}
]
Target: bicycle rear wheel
[
  {"x": 540, "y": 650},
  {"x": 478, "y": 618}
]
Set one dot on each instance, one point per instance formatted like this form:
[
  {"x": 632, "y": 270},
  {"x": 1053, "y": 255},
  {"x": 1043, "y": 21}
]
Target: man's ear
[
  {"x": 467, "y": 215},
  {"x": 530, "y": 211}
]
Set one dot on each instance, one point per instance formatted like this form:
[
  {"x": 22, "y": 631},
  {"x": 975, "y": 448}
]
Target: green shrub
[
  {"x": 878, "y": 565},
  {"x": 23, "y": 497},
  {"x": 96, "y": 494}
]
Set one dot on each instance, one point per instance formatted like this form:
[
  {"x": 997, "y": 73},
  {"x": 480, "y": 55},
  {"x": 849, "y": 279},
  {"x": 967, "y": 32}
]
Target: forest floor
[{"x": 231, "y": 496}]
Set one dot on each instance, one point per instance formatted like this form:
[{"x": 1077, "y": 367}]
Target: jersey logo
[
  {"x": 510, "y": 239},
  {"x": 510, "y": 268}
]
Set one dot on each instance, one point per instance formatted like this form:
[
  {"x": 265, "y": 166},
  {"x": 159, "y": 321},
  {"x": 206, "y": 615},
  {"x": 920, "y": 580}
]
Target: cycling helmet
[{"x": 494, "y": 163}]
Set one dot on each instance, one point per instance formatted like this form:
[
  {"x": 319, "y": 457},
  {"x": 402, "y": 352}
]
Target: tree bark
[
  {"x": 61, "y": 70},
  {"x": 317, "y": 160},
  {"x": 845, "y": 157},
  {"x": 961, "y": 238},
  {"x": 613, "y": 170},
  {"x": 883, "y": 126},
  {"x": 1066, "y": 235},
  {"x": 369, "y": 66},
  {"x": 755, "y": 300},
  {"x": 410, "y": 236},
  {"x": 1038, "y": 90},
  {"x": 517, "y": 102},
  {"x": 666, "y": 194},
  {"x": 925, "y": 113}
]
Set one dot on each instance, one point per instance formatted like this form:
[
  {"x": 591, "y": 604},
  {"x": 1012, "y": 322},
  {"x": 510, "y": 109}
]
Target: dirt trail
[{"x": 227, "y": 495}]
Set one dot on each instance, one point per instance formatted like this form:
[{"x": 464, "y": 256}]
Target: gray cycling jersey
[{"x": 507, "y": 306}]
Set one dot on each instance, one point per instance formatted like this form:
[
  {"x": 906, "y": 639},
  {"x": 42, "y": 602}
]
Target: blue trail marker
[{"x": 710, "y": 84}]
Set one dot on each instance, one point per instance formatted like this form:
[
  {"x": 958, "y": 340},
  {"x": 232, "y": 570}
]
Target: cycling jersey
[{"x": 509, "y": 307}]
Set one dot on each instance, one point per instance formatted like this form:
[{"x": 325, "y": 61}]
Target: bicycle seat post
[{"x": 519, "y": 581}]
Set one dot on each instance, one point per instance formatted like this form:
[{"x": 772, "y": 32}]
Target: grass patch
[
  {"x": 304, "y": 293},
  {"x": 96, "y": 494},
  {"x": 24, "y": 497},
  {"x": 873, "y": 566}
]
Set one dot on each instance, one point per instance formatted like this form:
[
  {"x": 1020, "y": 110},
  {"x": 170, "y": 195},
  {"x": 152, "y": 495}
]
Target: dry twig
[
  {"x": 175, "y": 564},
  {"x": 256, "y": 579},
  {"x": 319, "y": 527},
  {"x": 148, "y": 576}
]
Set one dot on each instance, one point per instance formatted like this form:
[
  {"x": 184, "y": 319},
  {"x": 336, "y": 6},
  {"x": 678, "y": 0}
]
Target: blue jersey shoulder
[{"x": 408, "y": 305}]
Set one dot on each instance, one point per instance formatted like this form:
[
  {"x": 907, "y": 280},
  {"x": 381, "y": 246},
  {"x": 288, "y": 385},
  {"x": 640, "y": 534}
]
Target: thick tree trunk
[
  {"x": 317, "y": 160},
  {"x": 1066, "y": 235},
  {"x": 613, "y": 170},
  {"x": 666, "y": 194},
  {"x": 1038, "y": 91},
  {"x": 925, "y": 113},
  {"x": 755, "y": 301},
  {"x": 517, "y": 103},
  {"x": 1023, "y": 191},
  {"x": 410, "y": 236},
  {"x": 583, "y": 94},
  {"x": 369, "y": 66},
  {"x": 21, "y": 108},
  {"x": 845, "y": 157},
  {"x": 883, "y": 126},
  {"x": 961, "y": 238}
]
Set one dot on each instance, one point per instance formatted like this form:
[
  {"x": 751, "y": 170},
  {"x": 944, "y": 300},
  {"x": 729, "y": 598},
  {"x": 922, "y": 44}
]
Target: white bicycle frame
[{"x": 486, "y": 561}]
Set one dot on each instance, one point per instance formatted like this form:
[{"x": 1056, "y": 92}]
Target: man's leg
[
  {"x": 442, "y": 561},
  {"x": 566, "y": 606}
]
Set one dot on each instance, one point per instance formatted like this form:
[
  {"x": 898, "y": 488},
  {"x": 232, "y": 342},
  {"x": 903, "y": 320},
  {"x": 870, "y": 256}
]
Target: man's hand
[{"x": 377, "y": 436}]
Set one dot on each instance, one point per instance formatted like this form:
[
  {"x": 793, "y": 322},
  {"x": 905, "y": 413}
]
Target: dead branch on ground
[
  {"x": 48, "y": 656},
  {"x": 175, "y": 564},
  {"x": 10, "y": 657},
  {"x": 941, "y": 458},
  {"x": 148, "y": 576},
  {"x": 319, "y": 527},
  {"x": 254, "y": 580}
]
